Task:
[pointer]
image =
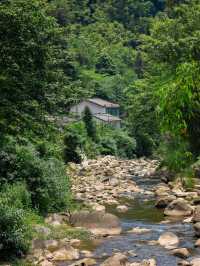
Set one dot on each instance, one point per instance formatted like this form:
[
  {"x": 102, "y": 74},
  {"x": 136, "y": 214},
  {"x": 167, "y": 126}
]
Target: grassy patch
[{"x": 65, "y": 231}]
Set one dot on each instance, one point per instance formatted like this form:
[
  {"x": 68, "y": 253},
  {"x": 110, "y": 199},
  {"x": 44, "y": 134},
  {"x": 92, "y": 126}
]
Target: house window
[{"x": 112, "y": 111}]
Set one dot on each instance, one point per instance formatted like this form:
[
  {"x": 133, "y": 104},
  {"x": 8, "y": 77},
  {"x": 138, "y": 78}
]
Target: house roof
[
  {"x": 107, "y": 117},
  {"x": 103, "y": 103}
]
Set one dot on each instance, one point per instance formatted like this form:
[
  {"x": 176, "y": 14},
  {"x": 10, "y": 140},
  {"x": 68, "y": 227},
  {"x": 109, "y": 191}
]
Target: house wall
[{"x": 94, "y": 108}]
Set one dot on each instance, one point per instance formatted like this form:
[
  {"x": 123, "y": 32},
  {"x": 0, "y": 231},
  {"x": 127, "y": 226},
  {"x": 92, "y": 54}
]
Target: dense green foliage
[
  {"x": 173, "y": 49},
  {"x": 142, "y": 54},
  {"x": 89, "y": 123},
  {"x": 108, "y": 141},
  {"x": 15, "y": 231}
]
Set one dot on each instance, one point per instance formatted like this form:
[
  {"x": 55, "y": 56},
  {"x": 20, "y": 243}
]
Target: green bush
[
  {"x": 72, "y": 144},
  {"x": 175, "y": 154},
  {"x": 91, "y": 149},
  {"x": 17, "y": 195},
  {"x": 15, "y": 232},
  {"x": 45, "y": 178},
  {"x": 145, "y": 145},
  {"x": 51, "y": 190},
  {"x": 107, "y": 146},
  {"x": 116, "y": 142},
  {"x": 89, "y": 123},
  {"x": 107, "y": 141},
  {"x": 126, "y": 146}
]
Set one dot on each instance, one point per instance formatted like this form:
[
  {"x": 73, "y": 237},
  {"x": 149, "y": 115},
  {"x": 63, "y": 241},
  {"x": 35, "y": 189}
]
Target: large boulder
[
  {"x": 118, "y": 259},
  {"x": 168, "y": 240},
  {"x": 196, "y": 216},
  {"x": 98, "y": 223},
  {"x": 178, "y": 207}
]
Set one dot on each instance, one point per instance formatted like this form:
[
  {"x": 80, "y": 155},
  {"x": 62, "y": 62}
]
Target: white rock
[
  {"x": 168, "y": 240},
  {"x": 122, "y": 208}
]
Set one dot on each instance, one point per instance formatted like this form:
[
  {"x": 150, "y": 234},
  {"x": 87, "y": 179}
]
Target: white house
[{"x": 103, "y": 111}]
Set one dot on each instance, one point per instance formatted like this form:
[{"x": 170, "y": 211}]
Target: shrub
[
  {"x": 45, "y": 178},
  {"x": 126, "y": 146},
  {"x": 91, "y": 149},
  {"x": 51, "y": 190},
  {"x": 116, "y": 142},
  {"x": 145, "y": 145},
  {"x": 108, "y": 141},
  {"x": 89, "y": 124},
  {"x": 175, "y": 154},
  {"x": 15, "y": 232},
  {"x": 72, "y": 142},
  {"x": 17, "y": 195},
  {"x": 107, "y": 146}
]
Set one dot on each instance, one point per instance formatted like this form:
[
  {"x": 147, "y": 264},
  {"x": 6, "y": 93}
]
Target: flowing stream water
[{"x": 143, "y": 214}]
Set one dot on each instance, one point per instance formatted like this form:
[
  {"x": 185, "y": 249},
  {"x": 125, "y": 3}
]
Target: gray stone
[
  {"x": 177, "y": 208},
  {"x": 182, "y": 253}
]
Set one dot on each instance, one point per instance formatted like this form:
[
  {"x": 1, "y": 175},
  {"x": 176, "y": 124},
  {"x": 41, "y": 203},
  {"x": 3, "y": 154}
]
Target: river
[{"x": 143, "y": 214}]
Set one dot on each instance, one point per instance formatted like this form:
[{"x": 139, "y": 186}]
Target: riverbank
[{"x": 128, "y": 218}]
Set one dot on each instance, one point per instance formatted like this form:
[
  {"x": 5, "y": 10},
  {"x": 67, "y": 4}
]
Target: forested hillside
[{"x": 141, "y": 54}]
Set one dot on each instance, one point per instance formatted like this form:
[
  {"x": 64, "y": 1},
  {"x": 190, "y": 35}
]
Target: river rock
[
  {"x": 184, "y": 263},
  {"x": 46, "y": 263},
  {"x": 118, "y": 259},
  {"x": 87, "y": 254},
  {"x": 150, "y": 262},
  {"x": 197, "y": 229},
  {"x": 195, "y": 262},
  {"x": 114, "y": 182},
  {"x": 51, "y": 245},
  {"x": 97, "y": 222},
  {"x": 182, "y": 253},
  {"x": 99, "y": 208},
  {"x": 138, "y": 230},
  {"x": 168, "y": 240},
  {"x": 65, "y": 254},
  {"x": 84, "y": 262},
  {"x": 177, "y": 208},
  {"x": 162, "y": 191},
  {"x": 75, "y": 242},
  {"x": 122, "y": 208},
  {"x": 164, "y": 201},
  {"x": 197, "y": 243},
  {"x": 196, "y": 216}
]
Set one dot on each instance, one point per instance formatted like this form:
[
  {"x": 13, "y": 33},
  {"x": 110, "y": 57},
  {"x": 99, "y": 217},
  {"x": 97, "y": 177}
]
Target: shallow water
[{"x": 143, "y": 214}]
